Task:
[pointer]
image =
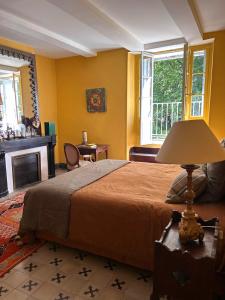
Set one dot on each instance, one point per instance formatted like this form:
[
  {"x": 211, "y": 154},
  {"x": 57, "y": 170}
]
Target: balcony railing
[
  {"x": 164, "y": 115},
  {"x": 197, "y": 106}
]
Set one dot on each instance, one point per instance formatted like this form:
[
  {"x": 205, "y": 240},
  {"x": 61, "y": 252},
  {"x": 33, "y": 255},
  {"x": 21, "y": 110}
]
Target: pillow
[
  {"x": 179, "y": 186},
  {"x": 215, "y": 190}
]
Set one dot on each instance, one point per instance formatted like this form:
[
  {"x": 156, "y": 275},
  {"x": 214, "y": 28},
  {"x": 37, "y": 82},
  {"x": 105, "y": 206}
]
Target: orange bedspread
[{"x": 120, "y": 215}]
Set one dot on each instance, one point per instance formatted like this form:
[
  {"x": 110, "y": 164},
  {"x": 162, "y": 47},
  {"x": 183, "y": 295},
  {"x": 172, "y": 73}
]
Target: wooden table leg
[{"x": 106, "y": 153}]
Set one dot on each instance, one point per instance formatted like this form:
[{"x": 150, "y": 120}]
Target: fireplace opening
[{"x": 26, "y": 169}]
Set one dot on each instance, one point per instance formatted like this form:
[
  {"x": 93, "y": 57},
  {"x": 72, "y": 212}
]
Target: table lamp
[{"x": 189, "y": 143}]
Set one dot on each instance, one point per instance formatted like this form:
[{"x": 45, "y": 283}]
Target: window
[
  {"x": 161, "y": 94},
  {"x": 162, "y": 90},
  {"x": 146, "y": 97},
  {"x": 198, "y": 82},
  {"x": 11, "y": 101}
]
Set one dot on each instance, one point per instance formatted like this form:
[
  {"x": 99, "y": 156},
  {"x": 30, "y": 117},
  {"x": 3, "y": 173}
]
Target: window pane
[
  {"x": 199, "y": 62},
  {"x": 146, "y": 89},
  {"x": 147, "y": 67},
  {"x": 198, "y": 84},
  {"x": 197, "y": 105}
]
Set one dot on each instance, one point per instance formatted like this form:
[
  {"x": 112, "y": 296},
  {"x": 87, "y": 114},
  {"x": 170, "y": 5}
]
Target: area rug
[{"x": 11, "y": 251}]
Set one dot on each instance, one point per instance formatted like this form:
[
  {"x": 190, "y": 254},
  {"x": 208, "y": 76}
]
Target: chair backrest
[{"x": 72, "y": 155}]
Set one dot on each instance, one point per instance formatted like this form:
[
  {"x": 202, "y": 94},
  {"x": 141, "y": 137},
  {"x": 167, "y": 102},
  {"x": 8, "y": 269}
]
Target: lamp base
[{"x": 189, "y": 228}]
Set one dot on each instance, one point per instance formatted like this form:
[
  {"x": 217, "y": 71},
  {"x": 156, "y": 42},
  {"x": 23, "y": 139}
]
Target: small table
[
  {"x": 99, "y": 148},
  {"x": 185, "y": 271}
]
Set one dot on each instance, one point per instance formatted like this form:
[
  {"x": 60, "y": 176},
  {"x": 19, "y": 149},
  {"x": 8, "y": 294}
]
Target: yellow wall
[
  {"x": 46, "y": 77},
  {"x": 75, "y": 75},
  {"x": 217, "y": 103},
  {"x": 62, "y": 84},
  {"x": 132, "y": 101}
]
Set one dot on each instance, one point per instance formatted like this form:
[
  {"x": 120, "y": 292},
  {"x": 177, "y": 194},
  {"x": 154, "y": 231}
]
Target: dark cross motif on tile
[
  {"x": 85, "y": 272},
  {"x": 58, "y": 277},
  {"x": 144, "y": 276},
  {"x": 118, "y": 284},
  {"x": 56, "y": 261},
  {"x": 110, "y": 265},
  {"x": 62, "y": 297},
  {"x": 33, "y": 253},
  {"x": 3, "y": 290},
  {"x": 29, "y": 285},
  {"x": 81, "y": 255},
  {"x": 91, "y": 291},
  {"x": 54, "y": 247},
  {"x": 30, "y": 267}
]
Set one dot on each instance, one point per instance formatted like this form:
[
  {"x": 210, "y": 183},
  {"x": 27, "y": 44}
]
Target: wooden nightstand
[
  {"x": 95, "y": 151},
  {"x": 185, "y": 271}
]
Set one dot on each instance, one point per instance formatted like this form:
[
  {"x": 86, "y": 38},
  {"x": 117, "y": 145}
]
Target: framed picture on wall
[{"x": 96, "y": 101}]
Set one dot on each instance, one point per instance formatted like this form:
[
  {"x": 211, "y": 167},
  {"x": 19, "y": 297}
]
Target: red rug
[{"x": 11, "y": 252}]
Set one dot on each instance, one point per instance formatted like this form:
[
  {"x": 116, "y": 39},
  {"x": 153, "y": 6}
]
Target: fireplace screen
[{"x": 26, "y": 169}]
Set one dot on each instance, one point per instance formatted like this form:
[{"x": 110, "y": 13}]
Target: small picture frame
[{"x": 96, "y": 101}]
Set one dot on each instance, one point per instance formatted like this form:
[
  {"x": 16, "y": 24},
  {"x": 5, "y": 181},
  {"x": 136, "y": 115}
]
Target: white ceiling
[
  {"x": 60, "y": 28},
  {"x": 147, "y": 20},
  {"x": 211, "y": 14}
]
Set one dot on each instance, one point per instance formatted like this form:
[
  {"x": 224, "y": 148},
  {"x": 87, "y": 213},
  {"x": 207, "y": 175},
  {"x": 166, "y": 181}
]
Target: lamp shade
[{"x": 190, "y": 142}]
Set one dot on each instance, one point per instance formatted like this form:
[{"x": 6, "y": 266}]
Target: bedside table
[
  {"x": 100, "y": 148},
  {"x": 185, "y": 272}
]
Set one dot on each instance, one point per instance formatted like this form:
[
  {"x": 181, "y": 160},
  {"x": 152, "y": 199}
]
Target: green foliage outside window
[
  {"x": 168, "y": 89},
  {"x": 168, "y": 80}
]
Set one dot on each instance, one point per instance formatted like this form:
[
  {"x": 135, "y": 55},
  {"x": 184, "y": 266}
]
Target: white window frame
[{"x": 146, "y": 107}]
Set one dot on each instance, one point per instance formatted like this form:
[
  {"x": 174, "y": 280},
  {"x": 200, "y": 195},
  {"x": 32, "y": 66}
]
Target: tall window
[
  {"x": 11, "y": 101},
  {"x": 162, "y": 90},
  {"x": 161, "y": 94},
  {"x": 198, "y": 82},
  {"x": 146, "y": 97}
]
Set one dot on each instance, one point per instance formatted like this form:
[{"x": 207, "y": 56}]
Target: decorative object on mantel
[
  {"x": 96, "y": 101},
  {"x": 33, "y": 126},
  {"x": 189, "y": 143},
  {"x": 49, "y": 128},
  {"x": 84, "y": 137}
]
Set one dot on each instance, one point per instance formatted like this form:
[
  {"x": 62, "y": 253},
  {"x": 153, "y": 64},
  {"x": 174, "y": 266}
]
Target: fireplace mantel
[{"x": 8, "y": 146}]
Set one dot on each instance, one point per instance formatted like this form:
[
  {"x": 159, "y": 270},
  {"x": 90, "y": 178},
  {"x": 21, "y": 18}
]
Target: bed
[{"x": 120, "y": 215}]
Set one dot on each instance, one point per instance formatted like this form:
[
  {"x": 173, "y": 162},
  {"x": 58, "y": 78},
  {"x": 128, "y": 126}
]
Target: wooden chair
[{"x": 72, "y": 155}]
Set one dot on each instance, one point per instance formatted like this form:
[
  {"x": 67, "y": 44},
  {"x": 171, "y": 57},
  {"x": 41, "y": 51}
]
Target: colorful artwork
[{"x": 96, "y": 100}]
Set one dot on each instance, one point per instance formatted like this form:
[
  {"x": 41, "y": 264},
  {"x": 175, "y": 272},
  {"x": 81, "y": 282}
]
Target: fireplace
[
  {"x": 26, "y": 169},
  {"x": 26, "y": 166},
  {"x": 24, "y": 161}
]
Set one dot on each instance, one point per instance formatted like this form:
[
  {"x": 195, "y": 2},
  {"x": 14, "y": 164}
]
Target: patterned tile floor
[{"x": 58, "y": 273}]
